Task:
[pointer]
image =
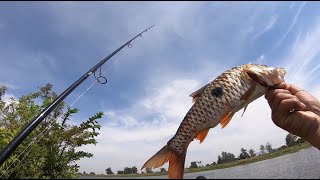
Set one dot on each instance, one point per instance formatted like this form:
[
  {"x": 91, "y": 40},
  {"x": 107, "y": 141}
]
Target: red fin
[
  {"x": 176, "y": 166},
  {"x": 176, "y": 162},
  {"x": 202, "y": 135},
  {"x": 226, "y": 119},
  {"x": 197, "y": 93}
]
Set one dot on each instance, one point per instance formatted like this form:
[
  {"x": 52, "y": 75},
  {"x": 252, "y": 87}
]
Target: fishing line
[{"x": 50, "y": 125}]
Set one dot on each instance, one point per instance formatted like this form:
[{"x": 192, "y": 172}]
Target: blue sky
[{"x": 147, "y": 94}]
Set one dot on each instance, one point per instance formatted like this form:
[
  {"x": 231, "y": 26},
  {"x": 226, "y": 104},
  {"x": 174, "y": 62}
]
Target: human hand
[{"x": 295, "y": 111}]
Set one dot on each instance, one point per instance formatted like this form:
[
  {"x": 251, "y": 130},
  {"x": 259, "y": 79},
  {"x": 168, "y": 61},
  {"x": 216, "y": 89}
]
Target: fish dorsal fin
[
  {"x": 197, "y": 93},
  {"x": 202, "y": 135},
  {"x": 226, "y": 119}
]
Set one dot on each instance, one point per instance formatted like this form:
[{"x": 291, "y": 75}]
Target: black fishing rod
[{"x": 30, "y": 127}]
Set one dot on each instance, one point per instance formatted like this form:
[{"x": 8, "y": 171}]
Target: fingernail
[{"x": 303, "y": 105}]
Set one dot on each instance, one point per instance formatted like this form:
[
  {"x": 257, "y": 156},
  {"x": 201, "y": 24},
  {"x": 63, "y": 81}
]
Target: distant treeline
[{"x": 224, "y": 157}]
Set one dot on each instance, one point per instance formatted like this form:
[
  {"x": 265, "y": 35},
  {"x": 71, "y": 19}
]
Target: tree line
[
  {"x": 264, "y": 149},
  {"x": 225, "y": 156}
]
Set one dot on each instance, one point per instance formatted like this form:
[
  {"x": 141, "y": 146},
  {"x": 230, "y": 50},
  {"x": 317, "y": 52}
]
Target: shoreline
[{"x": 275, "y": 154}]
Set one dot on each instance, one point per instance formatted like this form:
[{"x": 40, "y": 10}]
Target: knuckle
[{"x": 278, "y": 96}]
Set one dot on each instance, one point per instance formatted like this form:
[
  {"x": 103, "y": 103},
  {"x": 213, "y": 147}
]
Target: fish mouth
[{"x": 263, "y": 75}]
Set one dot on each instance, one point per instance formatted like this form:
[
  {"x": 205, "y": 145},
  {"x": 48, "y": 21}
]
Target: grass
[{"x": 281, "y": 152}]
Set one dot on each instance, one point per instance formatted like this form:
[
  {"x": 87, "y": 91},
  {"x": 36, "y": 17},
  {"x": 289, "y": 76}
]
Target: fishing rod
[{"x": 34, "y": 123}]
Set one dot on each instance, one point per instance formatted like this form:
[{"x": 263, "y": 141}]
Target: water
[{"x": 304, "y": 164}]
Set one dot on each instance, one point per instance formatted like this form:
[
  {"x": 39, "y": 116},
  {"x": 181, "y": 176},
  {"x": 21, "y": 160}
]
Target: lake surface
[{"x": 304, "y": 164}]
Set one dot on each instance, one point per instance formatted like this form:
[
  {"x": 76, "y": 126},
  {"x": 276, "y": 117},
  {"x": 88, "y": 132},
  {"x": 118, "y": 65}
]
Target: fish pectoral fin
[
  {"x": 244, "y": 109},
  {"x": 202, "y": 135},
  {"x": 246, "y": 96},
  {"x": 197, "y": 93},
  {"x": 226, "y": 119}
]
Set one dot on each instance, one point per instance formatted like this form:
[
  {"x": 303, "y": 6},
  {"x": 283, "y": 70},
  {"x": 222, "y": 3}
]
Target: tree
[
  {"x": 291, "y": 140},
  {"x": 109, "y": 171},
  {"x": 243, "y": 154},
  {"x": 127, "y": 170},
  {"x": 120, "y": 172},
  {"x": 262, "y": 149},
  {"x": 92, "y": 173},
  {"x": 194, "y": 164},
  {"x": 300, "y": 140},
  {"x": 148, "y": 170},
  {"x": 226, "y": 157},
  {"x": 252, "y": 153},
  {"x": 54, "y": 155},
  {"x": 219, "y": 160},
  {"x": 163, "y": 170},
  {"x": 269, "y": 147},
  {"x": 134, "y": 170}
]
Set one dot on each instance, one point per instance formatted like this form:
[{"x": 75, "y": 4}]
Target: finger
[
  {"x": 280, "y": 114},
  {"x": 293, "y": 89},
  {"x": 271, "y": 94},
  {"x": 280, "y": 97},
  {"x": 282, "y": 85}
]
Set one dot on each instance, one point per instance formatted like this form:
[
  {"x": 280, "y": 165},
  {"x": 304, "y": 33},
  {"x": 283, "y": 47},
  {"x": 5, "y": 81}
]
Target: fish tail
[{"x": 176, "y": 162}]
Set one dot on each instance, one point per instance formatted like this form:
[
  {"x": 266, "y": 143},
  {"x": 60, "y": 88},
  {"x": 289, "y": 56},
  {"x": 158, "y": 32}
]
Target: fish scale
[{"x": 215, "y": 103}]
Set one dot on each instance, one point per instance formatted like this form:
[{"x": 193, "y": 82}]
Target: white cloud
[
  {"x": 292, "y": 4},
  {"x": 128, "y": 137},
  {"x": 8, "y": 98},
  {"x": 44, "y": 59},
  {"x": 316, "y": 92},
  {"x": 301, "y": 63},
  {"x": 294, "y": 21},
  {"x": 268, "y": 26},
  {"x": 24, "y": 65}
]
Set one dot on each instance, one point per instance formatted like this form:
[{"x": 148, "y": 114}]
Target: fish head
[{"x": 264, "y": 75}]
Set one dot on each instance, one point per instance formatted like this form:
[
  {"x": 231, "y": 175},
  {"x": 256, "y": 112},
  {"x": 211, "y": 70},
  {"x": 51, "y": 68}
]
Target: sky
[{"x": 147, "y": 93}]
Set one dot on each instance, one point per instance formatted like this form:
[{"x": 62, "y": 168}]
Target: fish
[{"x": 215, "y": 103}]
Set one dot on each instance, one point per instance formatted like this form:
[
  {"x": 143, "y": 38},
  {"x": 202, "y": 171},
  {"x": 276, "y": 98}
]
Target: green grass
[{"x": 274, "y": 154}]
